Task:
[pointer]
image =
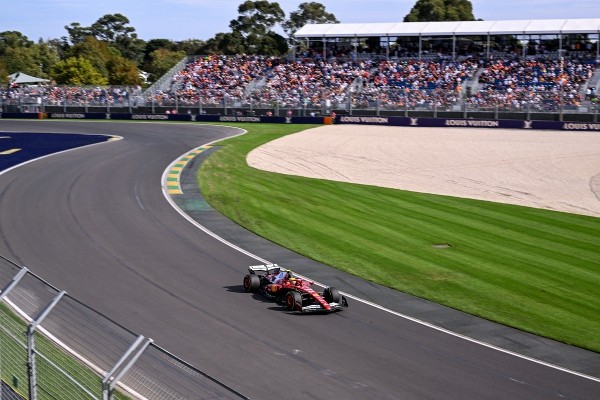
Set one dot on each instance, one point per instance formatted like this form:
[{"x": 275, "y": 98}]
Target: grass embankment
[
  {"x": 536, "y": 270},
  {"x": 51, "y": 362}
]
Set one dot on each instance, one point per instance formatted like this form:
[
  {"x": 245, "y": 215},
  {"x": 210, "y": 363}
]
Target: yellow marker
[
  {"x": 173, "y": 184},
  {"x": 7, "y": 152}
]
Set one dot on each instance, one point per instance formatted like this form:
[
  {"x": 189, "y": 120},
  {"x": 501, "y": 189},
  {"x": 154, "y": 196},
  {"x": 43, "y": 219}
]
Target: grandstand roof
[{"x": 450, "y": 28}]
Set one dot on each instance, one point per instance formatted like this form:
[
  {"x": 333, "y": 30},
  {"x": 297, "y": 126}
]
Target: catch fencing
[
  {"x": 526, "y": 104},
  {"x": 54, "y": 347}
]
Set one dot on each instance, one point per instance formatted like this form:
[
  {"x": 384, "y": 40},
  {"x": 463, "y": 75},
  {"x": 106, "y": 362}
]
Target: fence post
[
  {"x": 13, "y": 283},
  {"x": 31, "y": 367},
  {"x": 109, "y": 382},
  {"x": 199, "y": 103}
]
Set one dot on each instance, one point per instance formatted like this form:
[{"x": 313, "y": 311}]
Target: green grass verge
[
  {"x": 52, "y": 384},
  {"x": 532, "y": 269}
]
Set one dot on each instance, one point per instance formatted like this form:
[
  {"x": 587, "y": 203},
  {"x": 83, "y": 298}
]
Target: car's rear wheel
[
  {"x": 331, "y": 295},
  {"x": 251, "y": 283},
  {"x": 293, "y": 301}
]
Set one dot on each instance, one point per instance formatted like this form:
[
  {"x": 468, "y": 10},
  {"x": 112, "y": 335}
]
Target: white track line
[{"x": 369, "y": 303}]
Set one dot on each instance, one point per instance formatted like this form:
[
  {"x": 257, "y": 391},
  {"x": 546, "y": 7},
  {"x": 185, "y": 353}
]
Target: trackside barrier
[
  {"x": 31, "y": 115},
  {"x": 55, "y": 347},
  {"x": 468, "y": 123},
  {"x": 340, "y": 119}
]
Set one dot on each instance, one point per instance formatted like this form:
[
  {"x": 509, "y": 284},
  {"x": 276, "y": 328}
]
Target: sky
[{"x": 202, "y": 19}]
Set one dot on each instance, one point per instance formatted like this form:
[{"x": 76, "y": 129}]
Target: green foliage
[
  {"x": 3, "y": 73},
  {"x": 257, "y": 17},
  {"x": 46, "y": 57},
  {"x": 229, "y": 43},
  {"x": 162, "y": 60},
  {"x": 114, "y": 30},
  {"x": 13, "y": 39},
  {"x": 122, "y": 71},
  {"x": 77, "y": 71},
  {"x": 107, "y": 61},
  {"x": 441, "y": 10},
  {"x": 77, "y": 33},
  {"x": 533, "y": 269},
  {"x": 307, "y": 13},
  {"x": 22, "y": 59},
  {"x": 190, "y": 46},
  {"x": 110, "y": 27},
  {"x": 96, "y": 52},
  {"x": 109, "y": 41}
]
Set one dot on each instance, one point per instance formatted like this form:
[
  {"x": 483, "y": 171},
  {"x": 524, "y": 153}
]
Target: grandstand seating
[{"x": 217, "y": 80}]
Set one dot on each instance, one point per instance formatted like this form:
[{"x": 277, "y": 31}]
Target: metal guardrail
[{"x": 54, "y": 347}]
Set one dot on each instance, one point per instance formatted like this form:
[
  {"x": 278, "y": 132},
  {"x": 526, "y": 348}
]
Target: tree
[
  {"x": 190, "y": 46},
  {"x": 114, "y": 30},
  {"x": 77, "y": 71},
  {"x": 225, "y": 43},
  {"x": 3, "y": 73},
  {"x": 98, "y": 53},
  {"x": 308, "y": 13},
  {"x": 13, "y": 39},
  {"x": 257, "y": 17},
  {"x": 47, "y": 55},
  {"x": 161, "y": 61},
  {"x": 156, "y": 44},
  {"x": 272, "y": 43},
  {"x": 254, "y": 29},
  {"x": 78, "y": 33},
  {"x": 122, "y": 72},
  {"x": 110, "y": 27},
  {"x": 22, "y": 59},
  {"x": 441, "y": 10}
]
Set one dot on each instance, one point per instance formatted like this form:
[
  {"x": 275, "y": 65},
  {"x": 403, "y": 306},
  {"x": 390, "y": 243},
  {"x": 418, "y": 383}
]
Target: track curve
[{"x": 95, "y": 223}]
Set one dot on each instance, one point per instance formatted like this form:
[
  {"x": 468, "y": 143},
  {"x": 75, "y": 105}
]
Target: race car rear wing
[{"x": 264, "y": 269}]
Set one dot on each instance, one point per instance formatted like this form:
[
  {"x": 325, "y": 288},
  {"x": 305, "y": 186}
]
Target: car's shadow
[
  {"x": 275, "y": 306},
  {"x": 235, "y": 289}
]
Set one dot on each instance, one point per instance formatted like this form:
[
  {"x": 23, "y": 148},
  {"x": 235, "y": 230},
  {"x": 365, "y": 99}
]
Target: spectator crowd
[{"x": 317, "y": 83}]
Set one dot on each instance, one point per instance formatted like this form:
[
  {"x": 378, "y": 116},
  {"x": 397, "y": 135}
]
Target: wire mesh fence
[{"x": 54, "y": 347}]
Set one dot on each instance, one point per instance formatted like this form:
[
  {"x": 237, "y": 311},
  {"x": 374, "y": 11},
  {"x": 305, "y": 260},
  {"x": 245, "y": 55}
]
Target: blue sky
[{"x": 202, "y": 19}]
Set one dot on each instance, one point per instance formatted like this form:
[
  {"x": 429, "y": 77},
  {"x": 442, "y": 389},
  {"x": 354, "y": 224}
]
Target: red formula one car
[{"x": 297, "y": 294}]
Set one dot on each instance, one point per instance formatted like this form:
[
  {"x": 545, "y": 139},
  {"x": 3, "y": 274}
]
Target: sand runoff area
[{"x": 554, "y": 170}]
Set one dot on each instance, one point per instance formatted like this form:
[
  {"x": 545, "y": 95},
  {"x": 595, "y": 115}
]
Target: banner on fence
[
  {"x": 468, "y": 123},
  {"x": 340, "y": 119},
  {"x": 152, "y": 117},
  {"x": 76, "y": 115},
  {"x": 260, "y": 119}
]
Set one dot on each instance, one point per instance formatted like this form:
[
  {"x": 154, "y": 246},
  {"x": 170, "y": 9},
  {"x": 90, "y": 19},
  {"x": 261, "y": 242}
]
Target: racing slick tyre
[
  {"x": 331, "y": 295},
  {"x": 293, "y": 301},
  {"x": 251, "y": 283}
]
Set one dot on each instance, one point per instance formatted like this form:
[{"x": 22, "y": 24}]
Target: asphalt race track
[{"x": 94, "y": 222}]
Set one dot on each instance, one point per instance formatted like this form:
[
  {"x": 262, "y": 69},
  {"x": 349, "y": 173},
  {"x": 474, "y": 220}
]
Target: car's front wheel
[
  {"x": 251, "y": 283},
  {"x": 293, "y": 301},
  {"x": 331, "y": 295}
]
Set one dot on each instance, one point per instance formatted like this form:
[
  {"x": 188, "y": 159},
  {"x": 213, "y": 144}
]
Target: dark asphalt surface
[{"x": 95, "y": 223}]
